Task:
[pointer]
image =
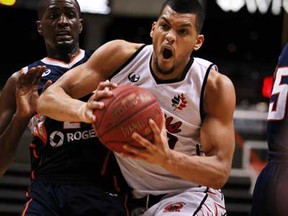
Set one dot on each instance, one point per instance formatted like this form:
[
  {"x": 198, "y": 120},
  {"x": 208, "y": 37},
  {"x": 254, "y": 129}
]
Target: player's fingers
[
  {"x": 106, "y": 85},
  {"x": 153, "y": 125},
  {"x": 39, "y": 70},
  {"x": 128, "y": 154},
  {"x": 91, "y": 117},
  {"x": 100, "y": 94},
  {"x": 94, "y": 104},
  {"x": 141, "y": 140},
  {"x": 85, "y": 114},
  {"x": 160, "y": 134},
  {"x": 32, "y": 76},
  {"x": 20, "y": 78},
  {"x": 133, "y": 151},
  {"x": 25, "y": 77},
  {"x": 47, "y": 84},
  {"x": 155, "y": 129}
]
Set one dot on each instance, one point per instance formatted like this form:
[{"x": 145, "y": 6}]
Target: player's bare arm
[
  {"x": 217, "y": 133},
  {"x": 61, "y": 102},
  {"x": 19, "y": 91},
  {"x": 217, "y": 140}
]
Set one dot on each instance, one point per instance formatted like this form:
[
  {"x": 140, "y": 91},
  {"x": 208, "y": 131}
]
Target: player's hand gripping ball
[{"x": 127, "y": 111}]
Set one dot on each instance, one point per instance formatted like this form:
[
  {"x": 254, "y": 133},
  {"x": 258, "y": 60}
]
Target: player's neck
[
  {"x": 63, "y": 54},
  {"x": 173, "y": 74}
]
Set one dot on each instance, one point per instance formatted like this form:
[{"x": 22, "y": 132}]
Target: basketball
[{"x": 126, "y": 112}]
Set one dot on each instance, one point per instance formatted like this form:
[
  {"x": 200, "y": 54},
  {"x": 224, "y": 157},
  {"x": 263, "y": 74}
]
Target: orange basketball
[{"x": 127, "y": 111}]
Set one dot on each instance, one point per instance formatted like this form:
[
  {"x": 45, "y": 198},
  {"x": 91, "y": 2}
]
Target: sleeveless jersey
[
  {"x": 64, "y": 151},
  {"x": 277, "y": 125},
  {"x": 181, "y": 102}
]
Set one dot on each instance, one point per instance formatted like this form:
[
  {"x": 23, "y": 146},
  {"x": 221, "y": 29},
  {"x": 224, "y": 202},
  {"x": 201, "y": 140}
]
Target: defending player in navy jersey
[
  {"x": 182, "y": 173},
  {"x": 271, "y": 189},
  {"x": 71, "y": 172}
]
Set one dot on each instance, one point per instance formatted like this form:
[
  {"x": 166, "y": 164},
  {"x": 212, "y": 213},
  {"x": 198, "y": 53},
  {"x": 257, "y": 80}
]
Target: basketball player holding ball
[{"x": 181, "y": 172}]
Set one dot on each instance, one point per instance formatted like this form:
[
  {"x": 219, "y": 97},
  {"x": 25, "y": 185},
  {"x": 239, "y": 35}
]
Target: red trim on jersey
[
  {"x": 126, "y": 205},
  {"x": 105, "y": 164},
  {"x": 33, "y": 174},
  {"x": 116, "y": 184},
  {"x": 33, "y": 147},
  {"x": 26, "y": 207}
]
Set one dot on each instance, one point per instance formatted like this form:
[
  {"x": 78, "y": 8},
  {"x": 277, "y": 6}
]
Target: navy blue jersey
[
  {"x": 271, "y": 191},
  {"x": 65, "y": 151},
  {"x": 277, "y": 117}
]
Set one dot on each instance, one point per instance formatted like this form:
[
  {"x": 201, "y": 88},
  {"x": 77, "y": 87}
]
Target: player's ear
[
  {"x": 39, "y": 27},
  {"x": 199, "y": 42},
  {"x": 81, "y": 25},
  {"x": 152, "y": 29}
]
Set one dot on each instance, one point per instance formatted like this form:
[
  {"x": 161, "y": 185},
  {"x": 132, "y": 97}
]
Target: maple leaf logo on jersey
[
  {"x": 174, "y": 207},
  {"x": 179, "y": 102}
]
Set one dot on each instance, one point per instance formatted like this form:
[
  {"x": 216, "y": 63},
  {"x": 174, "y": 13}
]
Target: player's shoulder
[
  {"x": 215, "y": 78},
  {"x": 283, "y": 58},
  {"x": 125, "y": 43},
  {"x": 218, "y": 80},
  {"x": 11, "y": 82},
  {"x": 202, "y": 61},
  {"x": 123, "y": 46},
  {"x": 200, "y": 64},
  {"x": 14, "y": 77},
  {"x": 219, "y": 90},
  {"x": 115, "y": 52}
]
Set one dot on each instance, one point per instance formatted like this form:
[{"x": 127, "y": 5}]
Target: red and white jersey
[{"x": 182, "y": 104}]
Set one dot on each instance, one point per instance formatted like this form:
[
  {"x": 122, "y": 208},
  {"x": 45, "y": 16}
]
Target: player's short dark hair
[
  {"x": 42, "y": 8},
  {"x": 187, "y": 6}
]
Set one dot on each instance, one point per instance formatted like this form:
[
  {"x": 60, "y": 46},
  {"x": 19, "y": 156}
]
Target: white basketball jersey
[{"x": 181, "y": 102}]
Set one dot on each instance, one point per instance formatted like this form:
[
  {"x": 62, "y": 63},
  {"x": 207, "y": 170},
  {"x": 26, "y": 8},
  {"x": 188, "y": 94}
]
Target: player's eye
[
  {"x": 53, "y": 16},
  {"x": 71, "y": 15},
  {"x": 183, "y": 31},
  {"x": 165, "y": 27}
]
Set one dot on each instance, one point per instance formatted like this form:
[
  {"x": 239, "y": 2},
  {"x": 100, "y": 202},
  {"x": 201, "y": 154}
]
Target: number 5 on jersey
[{"x": 277, "y": 106}]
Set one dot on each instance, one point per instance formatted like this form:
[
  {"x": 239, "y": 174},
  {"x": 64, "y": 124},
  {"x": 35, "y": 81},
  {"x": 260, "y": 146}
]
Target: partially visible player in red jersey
[
  {"x": 71, "y": 171},
  {"x": 271, "y": 189}
]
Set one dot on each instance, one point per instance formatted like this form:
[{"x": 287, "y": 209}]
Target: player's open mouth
[
  {"x": 63, "y": 34},
  {"x": 64, "y": 38},
  {"x": 167, "y": 53}
]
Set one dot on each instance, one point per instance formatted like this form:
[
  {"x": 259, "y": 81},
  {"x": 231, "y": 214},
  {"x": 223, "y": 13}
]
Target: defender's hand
[{"x": 27, "y": 91}]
